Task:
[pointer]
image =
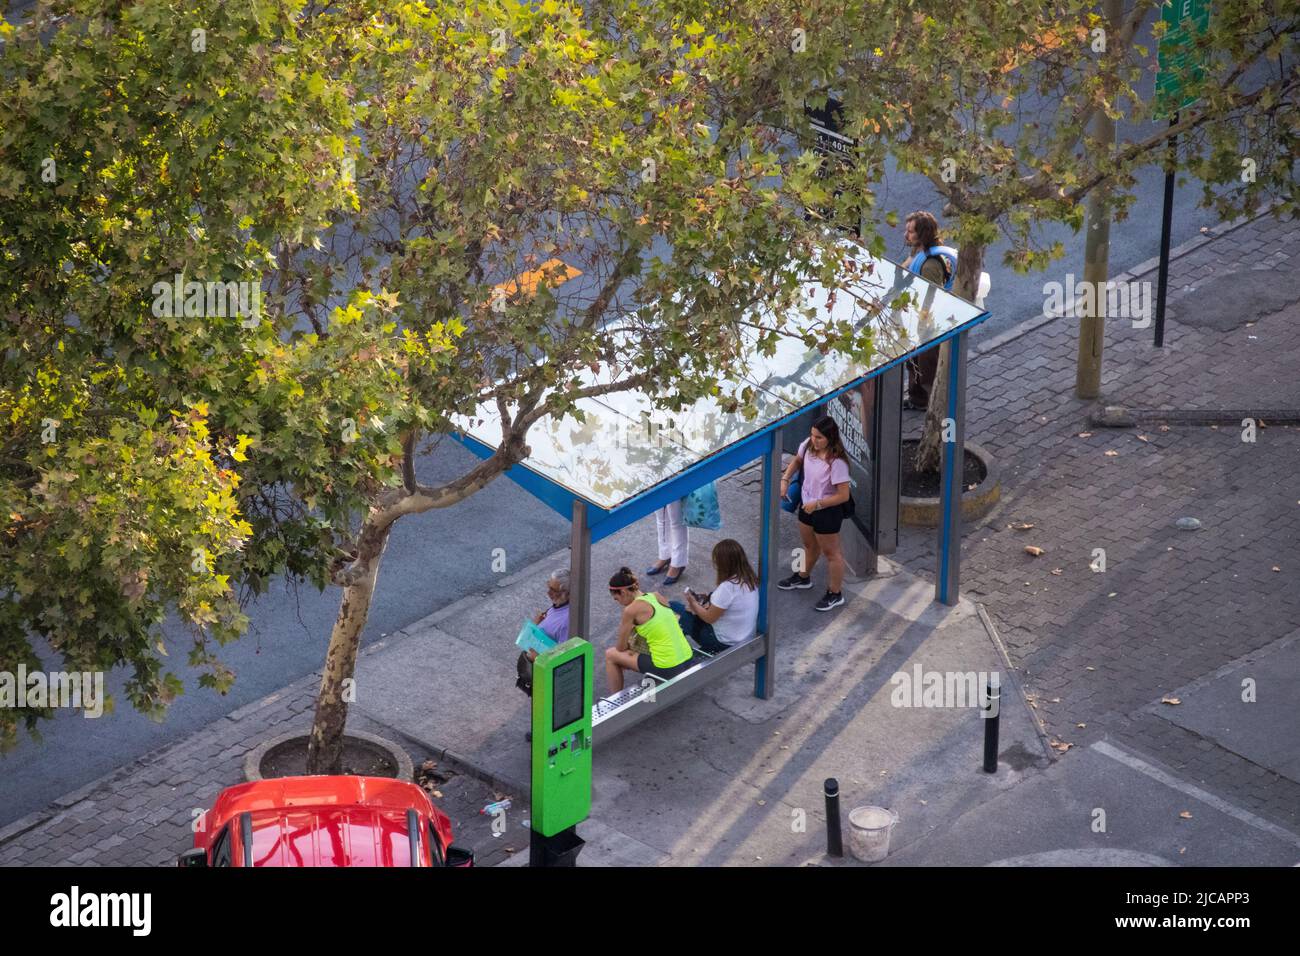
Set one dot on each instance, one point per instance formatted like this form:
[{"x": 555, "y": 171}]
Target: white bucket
[{"x": 869, "y": 829}]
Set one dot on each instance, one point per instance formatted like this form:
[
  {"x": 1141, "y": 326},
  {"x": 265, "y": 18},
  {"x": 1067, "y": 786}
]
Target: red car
[{"x": 325, "y": 821}]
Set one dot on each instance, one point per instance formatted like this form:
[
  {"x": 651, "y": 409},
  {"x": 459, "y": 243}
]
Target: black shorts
[
  {"x": 823, "y": 520},
  {"x": 646, "y": 665}
]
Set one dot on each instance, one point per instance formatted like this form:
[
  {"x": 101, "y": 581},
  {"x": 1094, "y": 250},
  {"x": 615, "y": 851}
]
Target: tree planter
[
  {"x": 363, "y": 754},
  {"x": 926, "y": 510}
]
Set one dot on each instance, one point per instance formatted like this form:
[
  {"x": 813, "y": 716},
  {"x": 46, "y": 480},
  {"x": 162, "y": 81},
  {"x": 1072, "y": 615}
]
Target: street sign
[
  {"x": 830, "y": 142},
  {"x": 1186, "y": 20}
]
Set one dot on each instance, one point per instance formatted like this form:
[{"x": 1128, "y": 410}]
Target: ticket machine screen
[{"x": 567, "y": 687}]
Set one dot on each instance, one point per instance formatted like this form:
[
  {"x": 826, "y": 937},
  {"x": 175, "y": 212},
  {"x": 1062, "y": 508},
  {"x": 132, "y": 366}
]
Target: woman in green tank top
[{"x": 649, "y": 616}]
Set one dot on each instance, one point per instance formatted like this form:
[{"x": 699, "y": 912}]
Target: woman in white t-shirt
[{"x": 728, "y": 616}]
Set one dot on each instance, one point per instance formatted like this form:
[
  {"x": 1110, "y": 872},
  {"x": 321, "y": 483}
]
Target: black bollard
[
  {"x": 834, "y": 843},
  {"x": 992, "y": 713}
]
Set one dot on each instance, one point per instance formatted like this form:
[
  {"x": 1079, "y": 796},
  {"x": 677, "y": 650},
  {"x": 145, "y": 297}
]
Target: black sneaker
[
  {"x": 795, "y": 581},
  {"x": 829, "y": 600}
]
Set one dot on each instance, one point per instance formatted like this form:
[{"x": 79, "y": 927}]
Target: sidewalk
[
  {"x": 725, "y": 778},
  {"x": 1098, "y": 651}
]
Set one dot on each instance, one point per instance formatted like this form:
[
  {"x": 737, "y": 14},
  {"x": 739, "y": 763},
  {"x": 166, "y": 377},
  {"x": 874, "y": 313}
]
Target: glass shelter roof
[{"x": 627, "y": 448}]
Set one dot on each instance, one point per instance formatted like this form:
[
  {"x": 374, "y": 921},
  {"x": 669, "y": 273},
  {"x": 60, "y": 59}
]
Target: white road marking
[{"x": 1223, "y": 806}]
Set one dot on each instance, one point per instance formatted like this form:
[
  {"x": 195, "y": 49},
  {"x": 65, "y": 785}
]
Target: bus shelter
[{"x": 629, "y": 458}]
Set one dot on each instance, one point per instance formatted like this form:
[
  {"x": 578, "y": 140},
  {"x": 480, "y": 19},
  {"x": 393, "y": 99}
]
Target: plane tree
[{"x": 255, "y": 257}]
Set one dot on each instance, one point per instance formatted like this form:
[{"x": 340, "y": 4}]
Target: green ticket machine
[{"x": 561, "y": 765}]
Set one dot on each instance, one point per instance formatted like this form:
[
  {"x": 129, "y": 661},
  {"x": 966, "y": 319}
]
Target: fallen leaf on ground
[
  {"x": 1164, "y": 428},
  {"x": 1276, "y": 568},
  {"x": 1081, "y": 726},
  {"x": 1061, "y": 746},
  {"x": 1056, "y": 700},
  {"x": 1058, "y": 571},
  {"x": 1085, "y": 434},
  {"x": 1170, "y": 700},
  {"x": 1186, "y": 815},
  {"x": 1143, "y": 438},
  {"x": 1112, "y": 454},
  {"x": 1030, "y": 549},
  {"x": 1022, "y": 526}
]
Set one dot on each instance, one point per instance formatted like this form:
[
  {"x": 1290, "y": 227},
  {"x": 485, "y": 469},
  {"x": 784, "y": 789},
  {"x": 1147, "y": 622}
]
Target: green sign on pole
[{"x": 1177, "y": 57}]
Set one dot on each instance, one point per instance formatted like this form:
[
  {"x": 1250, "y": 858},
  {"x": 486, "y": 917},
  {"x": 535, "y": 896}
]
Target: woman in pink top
[{"x": 825, "y": 467}]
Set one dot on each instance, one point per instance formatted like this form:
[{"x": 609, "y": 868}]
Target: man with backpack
[{"x": 938, "y": 264}]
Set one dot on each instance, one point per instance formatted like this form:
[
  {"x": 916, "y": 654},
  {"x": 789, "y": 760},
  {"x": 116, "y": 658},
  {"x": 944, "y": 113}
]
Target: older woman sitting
[{"x": 554, "y": 620}]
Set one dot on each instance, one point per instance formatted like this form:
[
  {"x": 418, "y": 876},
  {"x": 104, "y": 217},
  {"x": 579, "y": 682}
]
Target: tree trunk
[
  {"x": 1096, "y": 253},
  {"x": 325, "y": 749},
  {"x": 970, "y": 263}
]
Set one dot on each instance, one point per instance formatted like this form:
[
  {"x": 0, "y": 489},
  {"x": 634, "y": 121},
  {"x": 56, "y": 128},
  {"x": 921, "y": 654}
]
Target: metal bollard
[
  {"x": 834, "y": 843},
  {"x": 992, "y": 713}
]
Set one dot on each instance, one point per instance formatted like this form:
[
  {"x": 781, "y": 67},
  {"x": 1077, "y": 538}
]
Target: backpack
[{"x": 947, "y": 256}]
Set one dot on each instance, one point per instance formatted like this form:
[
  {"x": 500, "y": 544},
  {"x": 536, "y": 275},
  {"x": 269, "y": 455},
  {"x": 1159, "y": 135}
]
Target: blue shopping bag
[
  {"x": 700, "y": 508},
  {"x": 790, "y": 502}
]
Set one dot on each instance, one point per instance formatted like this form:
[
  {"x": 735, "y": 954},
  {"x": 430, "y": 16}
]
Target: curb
[
  {"x": 976, "y": 504},
  {"x": 992, "y": 631},
  {"x": 1142, "y": 268},
  {"x": 1263, "y": 417},
  {"x": 463, "y": 765},
  {"x": 253, "y": 759}
]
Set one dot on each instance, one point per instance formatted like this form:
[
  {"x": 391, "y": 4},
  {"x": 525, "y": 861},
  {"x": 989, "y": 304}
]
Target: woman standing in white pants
[{"x": 673, "y": 542}]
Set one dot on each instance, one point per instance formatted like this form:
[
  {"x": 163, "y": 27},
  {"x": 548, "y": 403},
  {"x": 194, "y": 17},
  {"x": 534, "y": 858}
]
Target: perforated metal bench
[{"x": 614, "y": 714}]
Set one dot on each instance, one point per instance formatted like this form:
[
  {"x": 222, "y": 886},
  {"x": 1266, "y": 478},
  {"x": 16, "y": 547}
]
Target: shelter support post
[
  {"x": 947, "y": 574},
  {"x": 887, "y": 436},
  {"x": 769, "y": 548},
  {"x": 580, "y": 573}
]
